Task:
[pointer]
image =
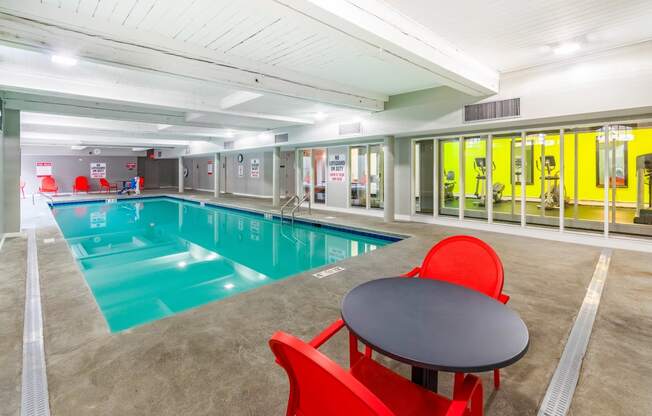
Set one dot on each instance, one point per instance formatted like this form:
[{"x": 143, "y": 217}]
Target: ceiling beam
[
  {"x": 43, "y": 26},
  {"x": 383, "y": 27}
]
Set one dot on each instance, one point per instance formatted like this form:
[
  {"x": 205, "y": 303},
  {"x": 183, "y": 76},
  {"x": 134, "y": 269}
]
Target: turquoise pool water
[{"x": 150, "y": 258}]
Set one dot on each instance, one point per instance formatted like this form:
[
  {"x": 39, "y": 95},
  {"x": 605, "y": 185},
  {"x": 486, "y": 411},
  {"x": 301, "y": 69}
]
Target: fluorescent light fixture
[
  {"x": 567, "y": 48},
  {"x": 64, "y": 60},
  {"x": 139, "y": 149},
  {"x": 229, "y": 134},
  {"x": 77, "y": 147},
  {"x": 229, "y": 286},
  {"x": 319, "y": 116}
]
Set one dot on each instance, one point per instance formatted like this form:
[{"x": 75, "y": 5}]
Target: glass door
[
  {"x": 359, "y": 176},
  {"x": 376, "y": 173},
  {"x": 423, "y": 175},
  {"x": 507, "y": 176},
  {"x": 306, "y": 172},
  {"x": 319, "y": 177},
  {"x": 449, "y": 173},
  {"x": 475, "y": 177}
]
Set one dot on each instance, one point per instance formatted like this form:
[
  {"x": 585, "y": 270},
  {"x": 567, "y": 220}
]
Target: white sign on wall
[
  {"x": 255, "y": 168},
  {"x": 43, "y": 168},
  {"x": 337, "y": 167},
  {"x": 209, "y": 168},
  {"x": 98, "y": 170},
  {"x": 240, "y": 171}
]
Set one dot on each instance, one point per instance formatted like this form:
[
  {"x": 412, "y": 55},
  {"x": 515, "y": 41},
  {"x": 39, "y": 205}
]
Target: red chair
[
  {"x": 104, "y": 184},
  {"x": 469, "y": 262},
  {"x": 81, "y": 185},
  {"x": 320, "y": 387},
  {"x": 48, "y": 184},
  {"x": 141, "y": 183}
]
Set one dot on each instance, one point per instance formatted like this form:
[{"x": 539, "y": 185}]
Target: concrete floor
[{"x": 215, "y": 359}]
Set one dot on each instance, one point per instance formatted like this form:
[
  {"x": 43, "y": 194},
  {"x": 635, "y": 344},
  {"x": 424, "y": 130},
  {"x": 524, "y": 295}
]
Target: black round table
[{"x": 434, "y": 326}]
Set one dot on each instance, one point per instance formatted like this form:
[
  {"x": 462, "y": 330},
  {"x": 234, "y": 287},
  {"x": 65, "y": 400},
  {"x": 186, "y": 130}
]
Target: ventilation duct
[{"x": 493, "y": 110}]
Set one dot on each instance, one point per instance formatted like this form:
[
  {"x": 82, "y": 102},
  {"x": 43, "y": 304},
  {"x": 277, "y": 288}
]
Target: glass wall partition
[
  {"x": 585, "y": 192},
  {"x": 376, "y": 172},
  {"x": 423, "y": 175},
  {"x": 543, "y": 196},
  {"x": 358, "y": 176},
  {"x": 306, "y": 171},
  {"x": 630, "y": 187},
  {"x": 319, "y": 169},
  {"x": 449, "y": 174},
  {"x": 477, "y": 191},
  {"x": 507, "y": 176}
]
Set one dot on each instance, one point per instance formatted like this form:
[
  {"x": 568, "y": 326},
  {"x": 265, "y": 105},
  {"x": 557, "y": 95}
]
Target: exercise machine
[
  {"x": 644, "y": 179},
  {"x": 551, "y": 178},
  {"x": 480, "y": 166},
  {"x": 449, "y": 185}
]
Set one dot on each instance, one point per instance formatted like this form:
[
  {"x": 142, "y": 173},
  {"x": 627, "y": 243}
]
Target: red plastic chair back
[
  {"x": 104, "y": 183},
  {"x": 48, "y": 184},
  {"x": 141, "y": 183},
  {"x": 466, "y": 261},
  {"x": 320, "y": 387},
  {"x": 81, "y": 183}
]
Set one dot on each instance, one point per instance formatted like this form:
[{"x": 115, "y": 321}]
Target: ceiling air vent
[
  {"x": 350, "y": 128},
  {"x": 493, "y": 110},
  {"x": 281, "y": 138},
  {"x": 228, "y": 145}
]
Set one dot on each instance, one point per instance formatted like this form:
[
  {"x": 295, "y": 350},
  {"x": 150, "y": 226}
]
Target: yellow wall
[{"x": 588, "y": 190}]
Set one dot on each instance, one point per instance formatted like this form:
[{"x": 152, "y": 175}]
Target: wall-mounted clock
[{"x": 240, "y": 157}]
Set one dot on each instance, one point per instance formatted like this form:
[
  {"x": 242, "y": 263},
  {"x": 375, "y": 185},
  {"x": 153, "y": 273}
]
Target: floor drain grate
[
  {"x": 34, "y": 393},
  {"x": 559, "y": 395}
]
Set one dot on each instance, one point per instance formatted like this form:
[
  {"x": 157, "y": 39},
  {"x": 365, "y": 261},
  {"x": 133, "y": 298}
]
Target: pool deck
[{"x": 215, "y": 360}]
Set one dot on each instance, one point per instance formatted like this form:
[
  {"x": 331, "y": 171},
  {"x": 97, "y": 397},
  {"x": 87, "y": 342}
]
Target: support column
[
  {"x": 10, "y": 173},
  {"x": 388, "y": 183},
  {"x": 217, "y": 172},
  {"x": 276, "y": 177},
  {"x": 181, "y": 177}
]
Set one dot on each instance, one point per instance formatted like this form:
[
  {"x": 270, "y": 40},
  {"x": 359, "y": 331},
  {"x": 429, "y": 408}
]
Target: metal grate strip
[
  {"x": 34, "y": 393},
  {"x": 561, "y": 389}
]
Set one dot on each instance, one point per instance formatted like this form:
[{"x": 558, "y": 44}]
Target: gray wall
[
  {"x": 403, "y": 177},
  {"x": 261, "y": 186},
  {"x": 158, "y": 173},
  {"x": 66, "y": 168},
  {"x": 10, "y": 177},
  {"x": 337, "y": 192},
  {"x": 198, "y": 177}
]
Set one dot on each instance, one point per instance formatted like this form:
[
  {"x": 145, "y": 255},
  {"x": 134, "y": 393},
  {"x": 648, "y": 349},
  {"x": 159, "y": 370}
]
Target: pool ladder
[{"x": 298, "y": 202}]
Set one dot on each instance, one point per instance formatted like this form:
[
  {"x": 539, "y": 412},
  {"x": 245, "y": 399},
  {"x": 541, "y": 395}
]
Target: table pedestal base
[{"x": 425, "y": 378}]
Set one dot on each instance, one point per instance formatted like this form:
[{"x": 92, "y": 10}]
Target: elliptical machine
[
  {"x": 449, "y": 185},
  {"x": 551, "y": 178},
  {"x": 480, "y": 166}
]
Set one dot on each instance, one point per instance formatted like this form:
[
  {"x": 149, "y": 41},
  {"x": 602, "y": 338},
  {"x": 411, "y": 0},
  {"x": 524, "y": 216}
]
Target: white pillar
[
  {"x": 216, "y": 175},
  {"x": 388, "y": 152},
  {"x": 181, "y": 177},
  {"x": 276, "y": 177},
  {"x": 10, "y": 173}
]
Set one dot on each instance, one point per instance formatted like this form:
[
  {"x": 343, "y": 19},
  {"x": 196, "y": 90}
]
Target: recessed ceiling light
[
  {"x": 229, "y": 134},
  {"x": 567, "y": 48},
  {"x": 64, "y": 60},
  {"x": 320, "y": 116}
]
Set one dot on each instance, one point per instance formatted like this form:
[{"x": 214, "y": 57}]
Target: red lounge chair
[
  {"x": 81, "y": 185},
  {"x": 320, "y": 387},
  {"x": 104, "y": 184},
  {"x": 465, "y": 261},
  {"x": 48, "y": 184}
]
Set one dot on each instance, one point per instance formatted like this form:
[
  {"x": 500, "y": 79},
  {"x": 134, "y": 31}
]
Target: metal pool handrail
[
  {"x": 306, "y": 197},
  {"x": 292, "y": 198}
]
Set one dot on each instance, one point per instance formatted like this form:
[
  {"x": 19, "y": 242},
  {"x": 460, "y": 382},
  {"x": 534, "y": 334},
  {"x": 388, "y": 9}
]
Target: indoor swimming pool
[{"x": 149, "y": 258}]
